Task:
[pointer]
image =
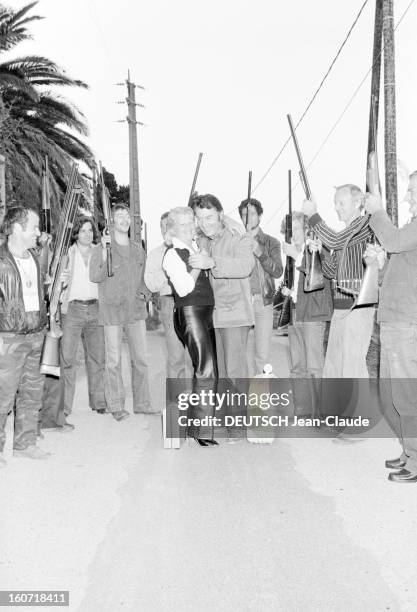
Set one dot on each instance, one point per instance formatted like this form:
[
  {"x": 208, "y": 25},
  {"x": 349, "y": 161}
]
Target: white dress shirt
[{"x": 176, "y": 269}]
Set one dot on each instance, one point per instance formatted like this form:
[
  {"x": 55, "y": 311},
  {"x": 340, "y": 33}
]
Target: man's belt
[{"x": 93, "y": 301}]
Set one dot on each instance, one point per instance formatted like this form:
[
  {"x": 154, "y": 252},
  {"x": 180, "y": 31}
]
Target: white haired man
[{"x": 350, "y": 330}]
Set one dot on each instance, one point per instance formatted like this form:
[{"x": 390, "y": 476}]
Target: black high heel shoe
[{"x": 203, "y": 442}]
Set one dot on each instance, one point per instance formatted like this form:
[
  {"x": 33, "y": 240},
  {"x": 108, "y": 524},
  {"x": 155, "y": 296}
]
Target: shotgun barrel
[
  {"x": 303, "y": 173},
  {"x": 49, "y": 361},
  {"x": 197, "y": 170},
  {"x": 105, "y": 200},
  {"x": 248, "y": 199}
]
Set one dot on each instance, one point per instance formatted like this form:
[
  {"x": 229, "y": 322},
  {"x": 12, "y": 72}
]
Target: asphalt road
[{"x": 302, "y": 524}]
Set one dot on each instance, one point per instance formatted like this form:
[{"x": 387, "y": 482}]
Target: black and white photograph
[{"x": 208, "y": 305}]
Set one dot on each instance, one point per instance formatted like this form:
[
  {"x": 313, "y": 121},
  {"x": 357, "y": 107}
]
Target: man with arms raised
[
  {"x": 397, "y": 315},
  {"x": 350, "y": 330},
  {"x": 122, "y": 308}
]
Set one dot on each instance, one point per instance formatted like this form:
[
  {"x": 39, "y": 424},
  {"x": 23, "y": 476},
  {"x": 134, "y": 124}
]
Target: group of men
[
  {"x": 96, "y": 308},
  {"x": 243, "y": 265}
]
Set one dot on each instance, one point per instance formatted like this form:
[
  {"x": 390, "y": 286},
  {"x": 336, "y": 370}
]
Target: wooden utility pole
[
  {"x": 391, "y": 195},
  {"x": 134, "y": 193},
  {"x": 2, "y": 187}
]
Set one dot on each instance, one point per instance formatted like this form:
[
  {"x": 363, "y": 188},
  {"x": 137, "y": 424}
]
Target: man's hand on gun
[
  {"x": 44, "y": 239},
  {"x": 373, "y": 202},
  {"x": 64, "y": 277},
  {"x": 290, "y": 250},
  {"x": 374, "y": 253},
  {"x": 286, "y": 292},
  {"x": 314, "y": 245},
  {"x": 309, "y": 207},
  {"x": 105, "y": 240}
]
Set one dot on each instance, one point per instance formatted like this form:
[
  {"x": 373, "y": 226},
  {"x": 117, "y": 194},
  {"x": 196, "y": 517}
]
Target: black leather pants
[{"x": 194, "y": 327}]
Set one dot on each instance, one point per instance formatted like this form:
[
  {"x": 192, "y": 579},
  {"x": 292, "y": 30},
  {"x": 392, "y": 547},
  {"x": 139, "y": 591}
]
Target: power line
[
  {"x": 314, "y": 95},
  {"x": 338, "y": 120}
]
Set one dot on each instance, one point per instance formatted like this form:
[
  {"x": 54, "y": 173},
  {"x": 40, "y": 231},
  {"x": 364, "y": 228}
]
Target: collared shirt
[
  {"x": 81, "y": 287},
  {"x": 176, "y": 268},
  {"x": 155, "y": 277}
]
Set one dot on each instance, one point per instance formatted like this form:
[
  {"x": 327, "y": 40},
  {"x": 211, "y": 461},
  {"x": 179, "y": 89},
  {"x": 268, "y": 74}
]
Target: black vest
[{"x": 202, "y": 294}]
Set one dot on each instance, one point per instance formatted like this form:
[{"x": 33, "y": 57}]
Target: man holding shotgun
[
  {"x": 346, "y": 358},
  {"x": 79, "y": 307},
  {"x": 268, "y": 266},
  {"x": 22, "y": 330},
  {"x": 122, "y": 309}
]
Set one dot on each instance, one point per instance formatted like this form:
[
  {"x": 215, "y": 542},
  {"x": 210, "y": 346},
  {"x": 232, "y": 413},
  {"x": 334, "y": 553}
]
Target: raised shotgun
[
  {"x": 369, "y": 290},
  {"x": 248, "y": 199},
  {"x": 193, "y": 186},
  {"x": 105, "y": 201},
  {"x": 314, "y": 279},
  {"x": 50, "y": 355}
]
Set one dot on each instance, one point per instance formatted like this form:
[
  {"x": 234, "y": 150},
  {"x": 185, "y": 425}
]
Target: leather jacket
[
  {"x": 268, "y": 265},
  {"x": 12, "y": 307}
]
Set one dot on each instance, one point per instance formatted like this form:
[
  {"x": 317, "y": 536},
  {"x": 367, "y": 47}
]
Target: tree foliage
[{"x": 35, "y": 122}]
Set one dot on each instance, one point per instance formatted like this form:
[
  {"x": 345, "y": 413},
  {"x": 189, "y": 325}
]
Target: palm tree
[{"x": 35, "y": 122}]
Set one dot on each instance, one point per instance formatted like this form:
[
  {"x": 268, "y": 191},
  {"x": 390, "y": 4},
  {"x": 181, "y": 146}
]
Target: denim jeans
[
  {"x": 19, "y": 373},
  {"x": 306, "y": 356},
  {"x": 80, "y": 322},
  {"x": 231, "y": 345},
  {"x": 262, "y": 335},
  {"x": 113, "y": 383}
]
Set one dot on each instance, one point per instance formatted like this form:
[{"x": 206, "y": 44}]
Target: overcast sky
[{"x": 220, "y": 77}]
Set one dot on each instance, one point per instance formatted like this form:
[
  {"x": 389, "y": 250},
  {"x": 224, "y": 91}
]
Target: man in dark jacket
[
  {"x": 268, "y": 266},
  {"x": 22, "y": 327}
]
